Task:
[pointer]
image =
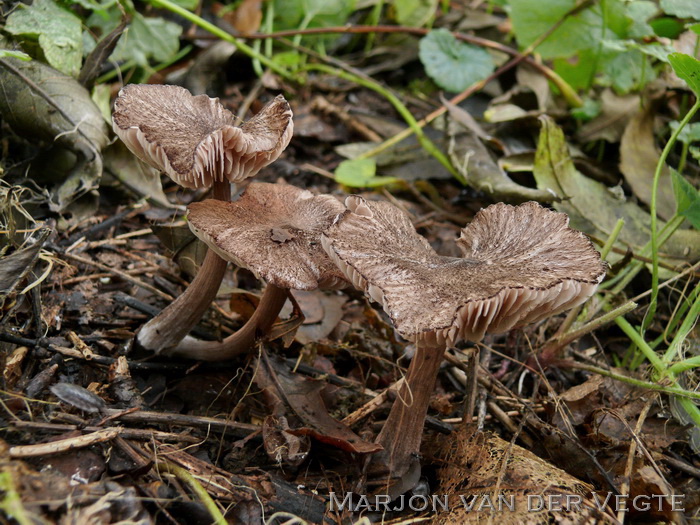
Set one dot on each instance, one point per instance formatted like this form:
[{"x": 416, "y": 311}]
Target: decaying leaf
[
  {"x": 616, "y": 111},
  {"x": 484, "y": 473},
  {"x": 179, "y": 240},
  {"x": 283, "y": 446},
  {"x": 593, "y": 207},
  {"x": 78, "y": 397},
  {"x": 43, "y": 104},
  {"x": 638, "y": 158},
  {"x": 301, "y": 398},
  {"x": 135, "y": 174},
  {"x": 329, "y": 310},
  {"x": 474, "y": 162}
]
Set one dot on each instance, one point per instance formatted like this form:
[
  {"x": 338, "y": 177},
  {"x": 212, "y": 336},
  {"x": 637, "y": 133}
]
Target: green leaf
[
  {"x": 624, "y": 70},
  {"x": 453, "y": 65},
  {"x": 93, "y": 5},
  {"x": 58, "y": 32},
  {"x": 289, "y": 14},
  {"x": 414, "y": 13},
  {"x": 639, "y": 13},
  {"x": 9, "y": 53},
  {"x": 148, "y": 38},
  {"x": 689, "y": 134},
  {"x": 361, "y": 173},
  {"x": 590, "y": 109},
  {"x": 667, "y": 27},
  {"x": 532, "y": 18},
  {"x": 682, "y": 8},
  {"x": 687, "y": 199},
  {"x": 687, "y": 68}
]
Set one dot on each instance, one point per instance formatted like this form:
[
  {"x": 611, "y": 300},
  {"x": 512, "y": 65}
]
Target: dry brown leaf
[
  {"x": 299, "y": 397},
  {"x": 638, "y": 158},
  {"x": 480, "y": 468}
]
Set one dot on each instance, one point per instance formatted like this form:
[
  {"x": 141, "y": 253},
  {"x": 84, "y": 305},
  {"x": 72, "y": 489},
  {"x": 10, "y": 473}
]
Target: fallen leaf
[
  {"x": 616, "y": 111},
  {"x": 593, "y": 207},
  {"x": 42, "y": 104},
  {"x": 302, "y": 397},
  {"x": 638, "y": 158},
  {"x": 479, "y": 468},
  {"x": 135, "y": 174},
  {"x": 330, "y": 307}
]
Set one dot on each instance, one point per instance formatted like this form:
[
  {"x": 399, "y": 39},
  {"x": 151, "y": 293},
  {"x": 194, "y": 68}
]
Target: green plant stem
[
  {"x": 680, "y": 312},
  {"x": 184, "y": 476},
  {"x": 11, "y": 502},
  {"x": 223, "y": 35},
  {"x": 643, "y": 346},
  {"x": 653, "y": 211},
  {"x": 630, "y": 272},
  {"x": 686, "y": 326},
  {"x": 567, "y": 91},
  {"x": 413, "y": 125},
  {"x": 132, "y": 63},
  {"x": 684, "y": 157},
  {"x": 660, "y": 367},
  {"x": 614, "y": 234},
  {"x": 595, "y": 324},
  {"x": 683, "y": 394},
  {"x": 686, "y": 364}
]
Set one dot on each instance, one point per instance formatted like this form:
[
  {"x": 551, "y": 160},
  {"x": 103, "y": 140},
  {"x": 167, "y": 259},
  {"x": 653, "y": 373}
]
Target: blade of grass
[{"x": 653, "y": 212}]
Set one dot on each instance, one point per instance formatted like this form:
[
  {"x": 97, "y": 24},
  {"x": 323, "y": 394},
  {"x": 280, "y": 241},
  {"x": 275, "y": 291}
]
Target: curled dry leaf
[
  {"x": 638, "y": 158},
  {"x": 78, "y": 397},
  {"x": 43, "y": 104},
  {"x": 301, "y": 398}
]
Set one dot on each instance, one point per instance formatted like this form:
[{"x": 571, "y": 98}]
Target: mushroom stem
[
  {"x": 257, "y": 326},
  {"x": 402, "y": 433},
  {"x": 174, "y": 322}
]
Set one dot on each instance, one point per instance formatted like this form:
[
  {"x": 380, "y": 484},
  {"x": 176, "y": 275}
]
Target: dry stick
[
  {"x": 63, "y": 445},
  {"x": 258, "y": 325},
  {"x": 625, "y": 485},
  {"x": 402, "y": 433},
  {"x": 127, "y": 433},
  {"x": 172, "y": 324},
  {"x": 372, "y": 404}
]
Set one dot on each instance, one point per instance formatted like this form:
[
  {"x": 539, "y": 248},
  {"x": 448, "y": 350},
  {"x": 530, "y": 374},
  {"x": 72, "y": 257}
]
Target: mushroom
[
  {"x": 194, "y": 140},
  {"x": 520, "y": 265},
  {"x": 274, "y": 230}
]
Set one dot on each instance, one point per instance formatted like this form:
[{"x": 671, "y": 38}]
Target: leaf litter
[{"x": 262, "y": 435}]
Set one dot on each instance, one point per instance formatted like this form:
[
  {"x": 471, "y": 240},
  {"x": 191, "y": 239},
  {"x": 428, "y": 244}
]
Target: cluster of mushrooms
[{"x": 520, "y": 264}]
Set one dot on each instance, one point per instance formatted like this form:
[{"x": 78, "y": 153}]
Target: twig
[
  {"x": 127, "y": 433},
  {"x": 119, "y": 274},
  {"x": 169, "y": 418},
  {"x": 63, "y": 445}
]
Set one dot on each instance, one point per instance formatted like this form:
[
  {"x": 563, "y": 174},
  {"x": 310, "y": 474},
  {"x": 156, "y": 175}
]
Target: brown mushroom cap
[
  {"x": 274, "y": 230},
  {"x": 194, "y": 140},
  {"x": 521, "y": 264}
]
